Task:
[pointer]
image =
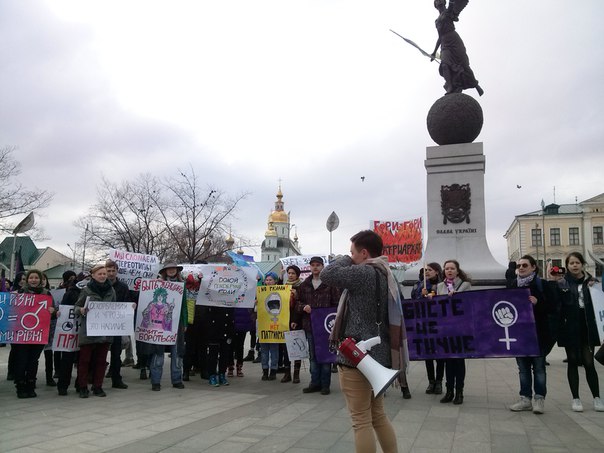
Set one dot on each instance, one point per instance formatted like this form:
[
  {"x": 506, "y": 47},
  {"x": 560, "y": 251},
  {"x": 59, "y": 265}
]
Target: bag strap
[{"x": 378, "y": 314}]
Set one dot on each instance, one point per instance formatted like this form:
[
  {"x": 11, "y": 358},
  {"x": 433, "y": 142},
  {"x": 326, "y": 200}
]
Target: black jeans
[
  {"x": 26, "y": 356},
  {"x": 455, "y": 370},
  {"x": 237, "y": 348},
  {"x": 440, "y": 369},
  {"x": 65, "y": 369},
  {"x": 218, "y": 354},
  {"x": 115, "y": 364}
]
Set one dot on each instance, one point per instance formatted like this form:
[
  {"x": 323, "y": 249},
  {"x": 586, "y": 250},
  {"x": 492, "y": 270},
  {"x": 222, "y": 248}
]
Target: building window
[
  {"x": 598, "y": 237},
  {"x": 536, "y": 237},
  {"x": 554, "y": 236},
  {"x": 573, "y": 236}
]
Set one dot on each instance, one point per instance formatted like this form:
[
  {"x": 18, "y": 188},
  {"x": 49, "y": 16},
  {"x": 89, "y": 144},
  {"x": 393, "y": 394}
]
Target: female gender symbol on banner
[{"x": 505, "y": 315}]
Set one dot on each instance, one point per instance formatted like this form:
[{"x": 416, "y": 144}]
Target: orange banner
[{"x": 403, "y": 241}]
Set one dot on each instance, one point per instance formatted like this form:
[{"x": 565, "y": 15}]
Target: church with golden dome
[{"x": 277, "y": 243}]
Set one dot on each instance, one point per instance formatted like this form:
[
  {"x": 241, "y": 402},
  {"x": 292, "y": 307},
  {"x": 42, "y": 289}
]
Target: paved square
[{"x": 255, "y": 416}]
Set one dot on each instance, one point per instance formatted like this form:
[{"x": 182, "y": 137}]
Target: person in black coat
[
  {"x": 429, "y": 277},
  {"x": 122, "y": 294},
  {"x": 532, "y": 369},
  {"x": 67, "y": 358},
  {"x": 578, "y": 332},
  {"x": 218, "y": 330}
]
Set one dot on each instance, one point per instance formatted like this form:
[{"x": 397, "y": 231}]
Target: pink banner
[{"x": 24, "y": 318}]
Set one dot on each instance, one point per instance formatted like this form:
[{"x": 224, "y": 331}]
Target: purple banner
[
  {"x": 322, "y": 321},
  {"x": 473, "y": 324}
]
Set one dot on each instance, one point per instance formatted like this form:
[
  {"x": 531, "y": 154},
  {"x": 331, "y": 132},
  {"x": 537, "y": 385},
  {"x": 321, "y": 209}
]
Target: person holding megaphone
[{"x": 370, "y": 336}]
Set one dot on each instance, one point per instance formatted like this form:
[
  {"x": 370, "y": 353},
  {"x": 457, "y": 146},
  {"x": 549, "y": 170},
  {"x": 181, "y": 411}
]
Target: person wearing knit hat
[{"x": 170, "y": 272}]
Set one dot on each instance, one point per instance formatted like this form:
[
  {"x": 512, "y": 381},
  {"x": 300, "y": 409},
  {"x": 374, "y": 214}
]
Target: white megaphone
[{"x": 378, "y": 376}]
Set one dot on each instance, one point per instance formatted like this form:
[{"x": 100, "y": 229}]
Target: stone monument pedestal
[{"x": 456, "y": 211}]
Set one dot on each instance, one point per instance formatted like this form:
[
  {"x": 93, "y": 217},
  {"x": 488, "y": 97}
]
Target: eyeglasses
[{"x": 518, "y": 266}]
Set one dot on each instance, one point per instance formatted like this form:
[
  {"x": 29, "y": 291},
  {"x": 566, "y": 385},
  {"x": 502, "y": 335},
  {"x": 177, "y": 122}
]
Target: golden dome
[
  {"x": 230, "y": 241},
  {"x": 278, "y": 217}
]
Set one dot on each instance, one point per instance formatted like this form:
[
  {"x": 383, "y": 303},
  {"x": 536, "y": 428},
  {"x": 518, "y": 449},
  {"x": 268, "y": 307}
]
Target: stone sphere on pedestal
[{"x": 455, "y": 118}]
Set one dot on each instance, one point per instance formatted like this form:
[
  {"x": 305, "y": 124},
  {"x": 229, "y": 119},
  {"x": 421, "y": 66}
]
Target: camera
[{"x": 556, "y": 270}]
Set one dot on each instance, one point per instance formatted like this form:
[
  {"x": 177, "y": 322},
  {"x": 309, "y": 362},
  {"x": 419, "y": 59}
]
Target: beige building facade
[{"x": 556, "y": 230}]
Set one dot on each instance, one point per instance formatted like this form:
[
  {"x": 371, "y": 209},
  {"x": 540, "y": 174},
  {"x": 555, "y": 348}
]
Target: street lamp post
[
  {"x": 73, "y": 261},
  {"x": 84, "y": 249}
]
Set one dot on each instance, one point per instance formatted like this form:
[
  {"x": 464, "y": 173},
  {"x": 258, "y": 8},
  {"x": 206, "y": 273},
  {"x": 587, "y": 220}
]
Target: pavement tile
[
  {"x": 320, "y": 440},
  {"x": 434, "y": 440},
  {"x": 253, "y": 416}
]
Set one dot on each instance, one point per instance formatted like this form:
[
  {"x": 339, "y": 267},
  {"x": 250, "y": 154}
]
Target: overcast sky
[{"x": 316, "y": 93}]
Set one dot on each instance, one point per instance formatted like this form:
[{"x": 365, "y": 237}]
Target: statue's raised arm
[{"x": 454, "y": 62}]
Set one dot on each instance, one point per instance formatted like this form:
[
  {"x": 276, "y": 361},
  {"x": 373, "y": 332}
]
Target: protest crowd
[{"x": 170, "y": 314}]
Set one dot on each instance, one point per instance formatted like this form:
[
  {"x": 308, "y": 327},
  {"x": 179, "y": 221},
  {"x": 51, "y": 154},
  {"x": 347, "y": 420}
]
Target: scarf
[
  {"x": 399, "y": 350},
  {"x": 577, "y": 285},
  {"x": 450, "y": 284},
  {"x": 525, "y": 281},
  {"x": 34, "y": 289},
  {"x": 100, "y": 288}
]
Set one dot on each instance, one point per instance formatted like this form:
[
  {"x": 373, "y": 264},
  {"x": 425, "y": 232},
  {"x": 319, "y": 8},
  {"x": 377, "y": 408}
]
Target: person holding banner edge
[
  {"x": 169, "y": 272},
  {"x": 293, "y": 279},
  {"x": 314, "y": 293},
  {"x": 531, "y": 370},
  {"x": 578, "y": 332},
  {"x": 122, "y": 294},
  {"x": 430, "y": 277},
  {"x": 93, "y": 350},
  {"x": 370, "y": 305},
  {"x": 26, "y": 356},
  {"x": 269, "y": 352},
  {"x": 455, "y": 281}
]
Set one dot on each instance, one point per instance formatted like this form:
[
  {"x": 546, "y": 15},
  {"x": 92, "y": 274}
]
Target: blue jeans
[
  {"x": 320, "y": 373},
  {"x": 269, "y": 351},
  {"x": 532, "y": 370},
  {"x": 156, "y": 366}
]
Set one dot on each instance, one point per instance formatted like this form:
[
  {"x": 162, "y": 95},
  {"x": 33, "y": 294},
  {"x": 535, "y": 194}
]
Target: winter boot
[
  {"x": 29, "y": 388},
  {"x": 448, "y": 396},
  {"x": 265, "y": 374},
  {"x": 296, "y": 379},
  {"x": 287, "y": 377},
  {"x": 230, "y": 371},
  {"x": 272, "y": 375},
  {"x": 143, "y": 374},
  {"x": 21, "y": 389},
  {"x": 430, "y": 388},
  {"x": 239, "y": 369},
  {"x": 222, "y": 380},
  {"x": 458, "y": 397},
  {"x": 250, "y": 356},
  {"x": 438, "y": 387}
]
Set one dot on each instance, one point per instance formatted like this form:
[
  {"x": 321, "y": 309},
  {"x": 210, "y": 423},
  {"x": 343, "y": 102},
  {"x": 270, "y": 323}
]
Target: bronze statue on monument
[{"x": 454, "y": 62}]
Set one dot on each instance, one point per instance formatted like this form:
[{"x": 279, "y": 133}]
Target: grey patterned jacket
[{"x": 360, "y": 321}]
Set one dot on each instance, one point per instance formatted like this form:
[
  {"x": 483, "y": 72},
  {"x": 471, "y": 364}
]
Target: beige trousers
[{"x": 367, "y": 413}]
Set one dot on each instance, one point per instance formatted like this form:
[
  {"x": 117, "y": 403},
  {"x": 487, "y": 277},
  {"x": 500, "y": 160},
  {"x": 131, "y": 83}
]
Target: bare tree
[
  {"x": 174, "y": 219},
  {"x": 196, "y": 218},
  {"x": 126, "y": 216},
  {"x": 15, "y": 199}
]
